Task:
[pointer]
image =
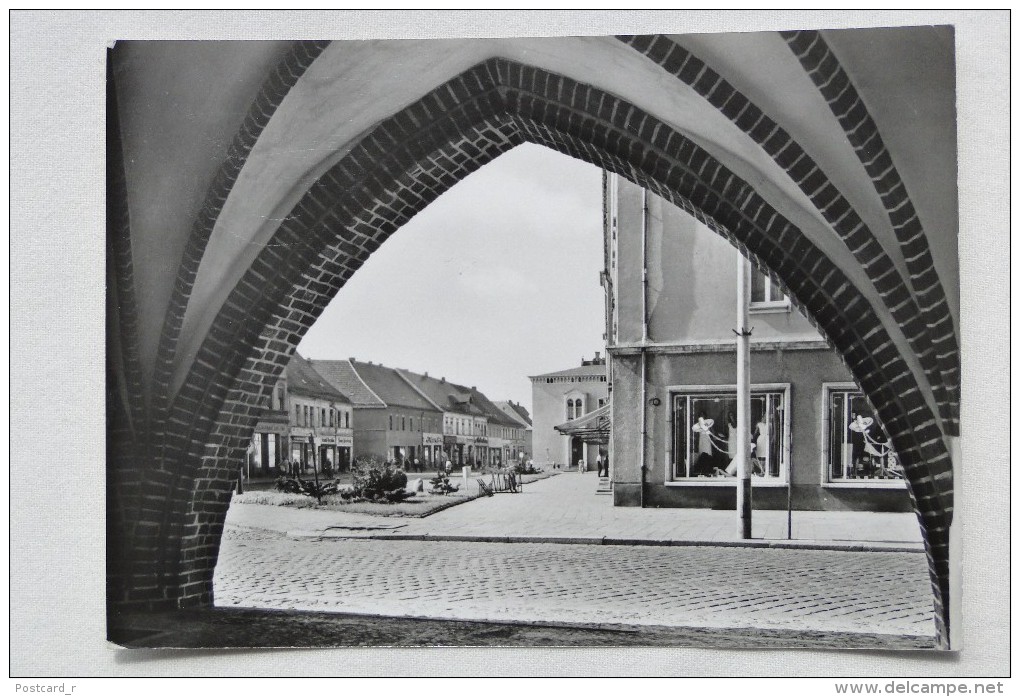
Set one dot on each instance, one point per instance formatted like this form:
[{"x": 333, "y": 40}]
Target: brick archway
[{"x": 395, "y": 171}]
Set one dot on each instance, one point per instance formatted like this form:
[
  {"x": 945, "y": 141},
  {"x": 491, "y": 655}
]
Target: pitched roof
[
  {"x": 390, "y": 387},
  {"x": 446, "y": 395},
  {"x": 515, "y": 411},
  {"x": 303, "y": 379},
  {"x": 341, "y": 374},
  {"x": 599, "y": 369},
  {"x": 493, "y": 412}
]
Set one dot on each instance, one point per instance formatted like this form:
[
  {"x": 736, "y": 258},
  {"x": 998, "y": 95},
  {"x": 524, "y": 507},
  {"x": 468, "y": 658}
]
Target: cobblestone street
[{"x": 884, "y": 593}]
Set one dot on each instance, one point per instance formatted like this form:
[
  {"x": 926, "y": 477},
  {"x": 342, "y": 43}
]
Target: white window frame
[
  {"x": 756, "y": 482},
  {"x": 827, "y": 389},
  {"x": 768, "y": 305}
]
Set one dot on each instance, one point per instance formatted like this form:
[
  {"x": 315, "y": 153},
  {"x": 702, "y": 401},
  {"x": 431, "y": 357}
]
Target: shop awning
[{"x": 593, "y": 427}]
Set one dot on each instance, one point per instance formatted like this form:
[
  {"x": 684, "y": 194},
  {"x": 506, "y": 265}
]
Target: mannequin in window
[
  {"x": 731, "y": 447},
  {"x": 859, "y": 427},
  {"x": 731, "y": 443},
  {"x": 858, "y": 430},
  {"x": 761, "y": 446},
  {"x": 703, "y": 462}
]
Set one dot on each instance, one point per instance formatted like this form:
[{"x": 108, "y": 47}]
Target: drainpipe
[{"x": 644, "y": 335}]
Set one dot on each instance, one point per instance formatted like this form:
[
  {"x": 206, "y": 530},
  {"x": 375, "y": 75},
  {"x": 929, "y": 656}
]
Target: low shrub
[
  {"x": 316, "y": 490},
  {"x": 374, "y": 482}
]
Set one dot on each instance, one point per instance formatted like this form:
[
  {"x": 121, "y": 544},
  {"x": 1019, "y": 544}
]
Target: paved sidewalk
[{"x": 565, "y": 508}]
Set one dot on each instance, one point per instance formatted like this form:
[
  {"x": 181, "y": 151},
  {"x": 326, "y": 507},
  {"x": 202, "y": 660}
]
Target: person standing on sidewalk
[{"x": 580, "y": 465}]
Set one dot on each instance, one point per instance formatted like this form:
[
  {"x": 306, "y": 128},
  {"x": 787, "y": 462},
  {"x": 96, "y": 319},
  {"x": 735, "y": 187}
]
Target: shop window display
[
  {"x": 704, "y": 434},
  {"x": 858, "y": 448}
]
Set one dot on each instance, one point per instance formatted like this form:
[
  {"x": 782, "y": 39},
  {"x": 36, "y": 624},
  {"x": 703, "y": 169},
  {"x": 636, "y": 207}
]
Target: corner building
[{"x": 671, "y": 300}]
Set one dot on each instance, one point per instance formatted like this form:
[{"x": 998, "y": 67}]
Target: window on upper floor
[{"x": 765, "y": 294}]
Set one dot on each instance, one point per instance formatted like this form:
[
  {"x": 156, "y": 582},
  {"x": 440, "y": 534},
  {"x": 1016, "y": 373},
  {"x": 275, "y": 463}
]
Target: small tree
[{"x": 440, "y": 484}]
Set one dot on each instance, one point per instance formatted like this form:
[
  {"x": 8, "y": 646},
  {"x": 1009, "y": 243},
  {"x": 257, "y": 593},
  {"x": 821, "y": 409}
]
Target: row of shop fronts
[
  {"x": 460, "y": 451},
  {"x": 327, "y": 415},
  {"x": 272, "y": 454}
]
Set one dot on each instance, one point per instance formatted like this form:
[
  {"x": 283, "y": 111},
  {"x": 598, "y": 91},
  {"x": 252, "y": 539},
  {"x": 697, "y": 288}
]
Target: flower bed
[{"x": 420, "y": 505}]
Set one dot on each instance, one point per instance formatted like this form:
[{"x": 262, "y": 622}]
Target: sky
[{"x": 497, "y": 280}]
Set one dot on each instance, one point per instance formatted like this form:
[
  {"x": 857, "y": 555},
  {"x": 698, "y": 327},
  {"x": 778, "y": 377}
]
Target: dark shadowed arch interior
[{"x": 394, "y": 172}]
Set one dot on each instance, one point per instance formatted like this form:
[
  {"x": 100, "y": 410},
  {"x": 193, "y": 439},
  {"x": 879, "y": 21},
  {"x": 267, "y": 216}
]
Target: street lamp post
[
  {"x": 315, "y": 470},
  {"x": 743, "y": 397},
  {"x": 336, "y": 438}
]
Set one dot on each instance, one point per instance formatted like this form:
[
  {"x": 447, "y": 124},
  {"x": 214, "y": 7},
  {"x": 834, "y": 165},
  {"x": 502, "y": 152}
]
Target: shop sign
[
  {"x": 481, "y": 439},
  {"x": 278, "y": 429},
  {"x": 432, "y": 439},
  {"x": 334, "y": 440},
  {"x": 449, "y": 440}
]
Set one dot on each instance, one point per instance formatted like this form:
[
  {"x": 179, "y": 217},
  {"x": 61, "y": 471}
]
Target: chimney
[
  {"x": 352, "y": 359},
  {"x": 597, "y": 354},
  {"x": 442, "y": 379},
  {"x": 426, "y": 373}
]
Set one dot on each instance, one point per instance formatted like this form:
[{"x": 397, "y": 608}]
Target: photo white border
[{"x": 57, "y": 343}]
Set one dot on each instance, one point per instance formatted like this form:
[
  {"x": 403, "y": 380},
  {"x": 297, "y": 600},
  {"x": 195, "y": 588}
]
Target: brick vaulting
[{"x": 172, "y": 461}]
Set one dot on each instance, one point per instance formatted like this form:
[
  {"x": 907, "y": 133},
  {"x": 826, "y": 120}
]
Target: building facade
[
  {"x": 502, "y": 432},
  {"x": 562, "y": 396},
  {"x": 321, "y": 420},
  {"x": 465, "y": 422},
  {"x": 308, "y": 424},
  {"x": 671, "y": 308},
  {"x": 395, "y": 423},
  {"x": 519, "y": 435},
  {"x": 270, "y": 443}
]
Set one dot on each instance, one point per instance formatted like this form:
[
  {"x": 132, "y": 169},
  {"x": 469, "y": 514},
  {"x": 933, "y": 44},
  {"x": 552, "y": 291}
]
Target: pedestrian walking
[
  {"x": 598, "y": 463},
  {"x": 580, "y": 465}
]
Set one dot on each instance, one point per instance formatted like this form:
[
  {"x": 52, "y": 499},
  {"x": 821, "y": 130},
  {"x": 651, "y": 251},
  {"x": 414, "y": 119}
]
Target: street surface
[{"x": 580, "y": 585}]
